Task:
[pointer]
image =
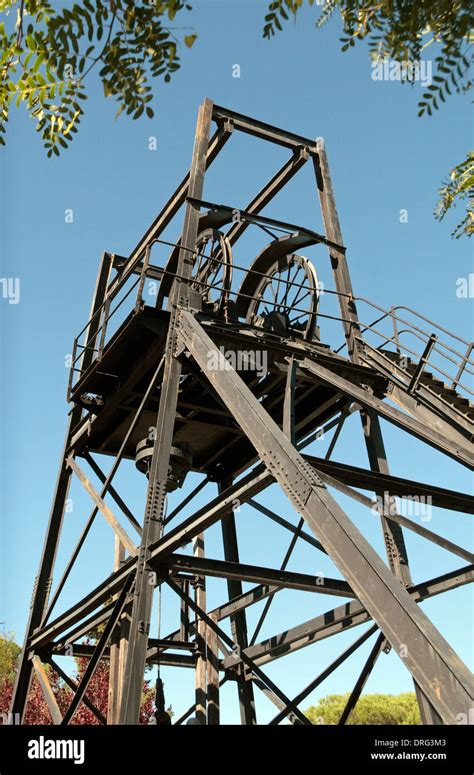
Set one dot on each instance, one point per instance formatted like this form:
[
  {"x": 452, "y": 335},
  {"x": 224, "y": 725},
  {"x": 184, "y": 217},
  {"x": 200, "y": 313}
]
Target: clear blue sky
[{"x": 383, "y": 159}]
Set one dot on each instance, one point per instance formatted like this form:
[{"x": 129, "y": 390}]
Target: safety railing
[
  {"x": 436, "y": 349},
  {"x": 427, "y": 349},
  {"x": 89, "y": 344}
]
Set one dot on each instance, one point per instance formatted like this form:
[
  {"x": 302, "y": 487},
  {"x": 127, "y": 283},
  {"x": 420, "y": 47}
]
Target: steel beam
[
  {"x": 350, "y": 321},
  {"x": 73, "y": 685},
  {"x": 238, "y": 621},
  {"x": 116, "y": 646},
  {"x": 392, "y": 532},
  {"x": 208, "y": 515},
  {"x": 110, "y": 517},
  {"x": 95, "y": 315},
  {"x": 276, "y": 701},
  {"x": 362, "y": 680},
  {"x": 286, "y": 524},
  {"x": 343, "y": 618},
  {"x": 48, "y": 693},
  {"x": 200, "y": 632},
  {"x": 263, "y": 131},
  {"x": 395, "y": 519},
  {"x": 381, "y": 483},
  {"x": 112, "y": 491},
  {"x": 170, "y": 209},
  {"x": 236, "y": 571},
  {"x": 224, "y": 638},
  {"x": 98, "y": 652},
  {"x": 286, "y": 559},
  {"x": 154, "y": 655},
  {"x": 325, "y": 673},
  {"x": 164, "y": 430},
  {"x": 104, "y": 490},
  {"x": 269, "y": 191},
  {"x": 399, "y": 618},
  {"x": 461, "y": 454},
  {"x": 212, "y": 653},
  {"x": 44, "y": 578}
]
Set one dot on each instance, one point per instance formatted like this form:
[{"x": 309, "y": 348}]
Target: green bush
[{"x": 378, "y": 709}]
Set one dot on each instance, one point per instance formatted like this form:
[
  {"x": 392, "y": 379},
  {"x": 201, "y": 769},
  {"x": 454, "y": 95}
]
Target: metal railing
[
  {"x": 84, "y": 355},
  {"x": 451, "y": 363}
]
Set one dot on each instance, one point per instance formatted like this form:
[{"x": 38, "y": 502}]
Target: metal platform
[{"x": 233, "y": 384}]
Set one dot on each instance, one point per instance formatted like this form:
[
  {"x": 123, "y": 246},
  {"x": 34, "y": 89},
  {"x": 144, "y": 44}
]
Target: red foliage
[{"x": 37, "y": 711}]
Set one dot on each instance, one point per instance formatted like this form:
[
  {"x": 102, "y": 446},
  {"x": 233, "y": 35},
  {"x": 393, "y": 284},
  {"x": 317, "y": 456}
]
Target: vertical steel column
[
  {"x": 289, "y": 402},
  {"x": 95, "y": 316},
  {"x": 213, "y": 711},
  {"x": 400, "y": 619},
  {"x": 156, "y": 494},
  {"x": 238, "y": 621},
  {"x": 43, "y": 580},
  {"x": 113, "y": 704},
  {"x": 393, "y": 535},
  {"x": 200, "y": 679},
  {"x": 338, "y": 256},
  {"x": 392, "y": 532}
]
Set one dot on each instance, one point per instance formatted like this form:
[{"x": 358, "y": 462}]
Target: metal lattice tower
[{"x": 245, "y": 431}]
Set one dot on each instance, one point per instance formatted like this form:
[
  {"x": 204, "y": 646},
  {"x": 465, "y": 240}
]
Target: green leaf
[{"x": 189, "y": 40}]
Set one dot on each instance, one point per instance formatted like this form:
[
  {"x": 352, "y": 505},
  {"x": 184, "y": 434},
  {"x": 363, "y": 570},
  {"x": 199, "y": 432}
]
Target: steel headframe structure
[{"x": 246, "y": 432}]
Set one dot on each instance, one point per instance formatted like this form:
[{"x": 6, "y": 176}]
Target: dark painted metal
[
  {"x": 362, "y": 680},
  {"x": 390, "y": 605},
  {"x": 238, "y": 571},
  {"x": 43, "y": 580},
  {"x": 157, "y": 487},
  {"x": 238, "y": 621},
  {"x": 321, "y": 387},
  {"x": 325, "y": 673},
  {"x": 243, "y": 656}
]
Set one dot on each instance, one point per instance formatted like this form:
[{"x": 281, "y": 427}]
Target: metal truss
[{"x": 246, "y": 433}]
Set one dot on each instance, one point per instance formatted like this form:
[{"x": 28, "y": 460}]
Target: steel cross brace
[
  {"x": 229, "y": 642},
  {"x": 343, "y": 618},
  {"x": 325, "y": 673},
  {"x": 461, "y": 453},
  {"x": 444, "y": 679}
]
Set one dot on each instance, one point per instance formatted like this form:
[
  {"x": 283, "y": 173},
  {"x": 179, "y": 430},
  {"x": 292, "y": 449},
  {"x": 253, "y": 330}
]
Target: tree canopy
[
  {"x": 402, "y": 32},
  {"x": 47, "y": 56},
  {"x": 9, "y": 652},
  {"x": 37, "y": 711},
  {"x": 379, "y": 709}
]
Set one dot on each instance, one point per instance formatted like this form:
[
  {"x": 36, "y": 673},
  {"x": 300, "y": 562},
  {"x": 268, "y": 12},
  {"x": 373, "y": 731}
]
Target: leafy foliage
[
  {"x": 47, "y": 55},
  {"x": 9, "y": 652},
  {"x": 460, "y": 186},
  {"x": 380, "y": 709},
  {"x": 37, "y": 711},
  {"x": 402, "y": 31}
]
